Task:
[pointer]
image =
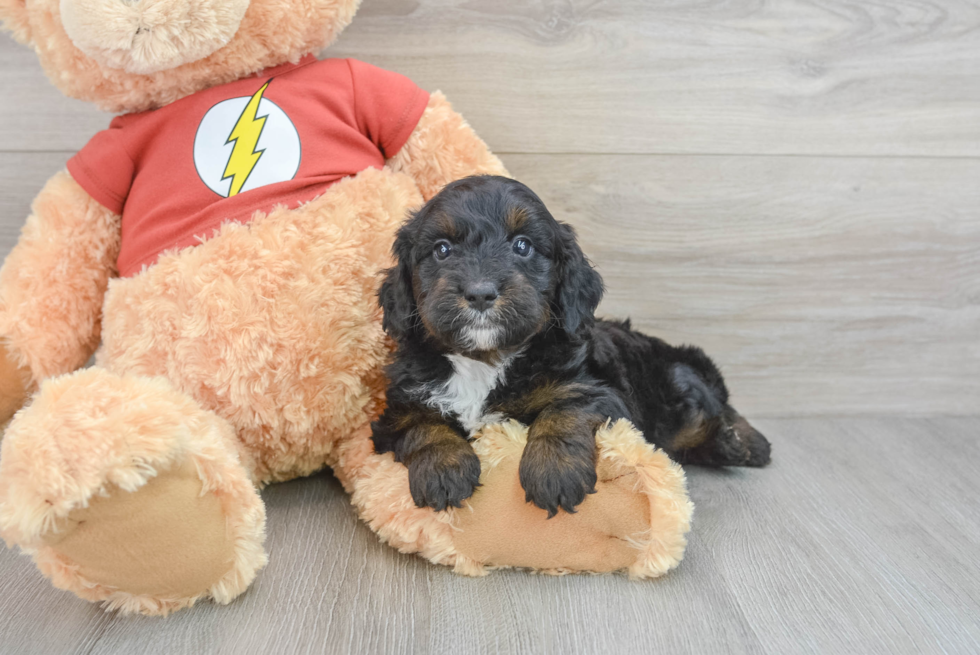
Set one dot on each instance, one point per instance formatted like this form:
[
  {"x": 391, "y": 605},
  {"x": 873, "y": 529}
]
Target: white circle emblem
[{"x": 245, "y": 143}]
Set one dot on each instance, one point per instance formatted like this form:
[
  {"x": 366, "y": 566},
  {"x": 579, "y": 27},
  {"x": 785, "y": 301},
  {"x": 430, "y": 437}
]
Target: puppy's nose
[{"x": 481, "y": 295}]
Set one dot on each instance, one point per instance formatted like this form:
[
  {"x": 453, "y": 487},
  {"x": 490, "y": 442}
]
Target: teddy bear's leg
[
  {"x": 637, "y": 521},
  {"x": 126, "y": 491}
]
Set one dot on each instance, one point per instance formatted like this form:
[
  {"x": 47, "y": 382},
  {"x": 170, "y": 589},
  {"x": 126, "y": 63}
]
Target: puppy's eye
[
  {"x": 523, "y": 247},
  {"x": 442, "y": 250}
]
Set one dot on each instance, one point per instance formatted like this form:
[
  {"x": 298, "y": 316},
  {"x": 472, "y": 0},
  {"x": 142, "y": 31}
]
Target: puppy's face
[{"x": 484, "y": 266}]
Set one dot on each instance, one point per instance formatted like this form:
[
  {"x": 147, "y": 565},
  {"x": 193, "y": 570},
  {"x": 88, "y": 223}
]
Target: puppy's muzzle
[{"x": 481, "y": 295}]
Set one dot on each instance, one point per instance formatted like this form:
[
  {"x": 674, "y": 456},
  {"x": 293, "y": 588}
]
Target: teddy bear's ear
[{"x": 13, "y": 17}]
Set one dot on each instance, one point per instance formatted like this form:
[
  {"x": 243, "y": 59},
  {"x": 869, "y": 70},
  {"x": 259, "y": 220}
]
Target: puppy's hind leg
[
  {"x": 714, "y": 434},
  {"x": 727, "y": 440}
]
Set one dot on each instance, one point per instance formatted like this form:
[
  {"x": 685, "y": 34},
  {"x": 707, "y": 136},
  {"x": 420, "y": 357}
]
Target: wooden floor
[
  {"x": 793, "y": 185},
  {"x": 862, "y": 537}
]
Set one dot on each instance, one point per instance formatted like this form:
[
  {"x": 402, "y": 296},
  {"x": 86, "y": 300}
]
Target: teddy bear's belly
[{"x": 274, "y": 325}]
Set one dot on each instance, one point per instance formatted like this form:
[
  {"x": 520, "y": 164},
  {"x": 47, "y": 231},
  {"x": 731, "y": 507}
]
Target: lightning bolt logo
[{"x": 246, "y": 135}]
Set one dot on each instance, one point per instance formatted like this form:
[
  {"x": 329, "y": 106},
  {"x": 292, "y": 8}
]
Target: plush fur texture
[
  {"x": 56, "y": 277},
  {"x": 14, "y": 18},
  {"x": 270, "y": 33},
  {"x": 381, "y": 496},
  {"x": 637, "y": 522},
  {"x": 444, "y": 148},
  {"x": 92, "y": 434},
  {"x": 253, "y": 357},
  {"x": 272, "y": 325},
  {"x": 148, "y": 37},
  {"x": 486, "y": 255}
]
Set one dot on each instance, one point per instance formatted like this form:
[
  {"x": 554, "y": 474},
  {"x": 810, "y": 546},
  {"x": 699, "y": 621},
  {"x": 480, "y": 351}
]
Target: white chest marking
[{"x": 465, "y": 392}]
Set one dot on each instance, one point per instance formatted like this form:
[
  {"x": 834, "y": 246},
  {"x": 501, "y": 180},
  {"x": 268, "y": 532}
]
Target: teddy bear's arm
[
  {"x": 51, "y": 288},
  {"x": 443, "y": 147}
]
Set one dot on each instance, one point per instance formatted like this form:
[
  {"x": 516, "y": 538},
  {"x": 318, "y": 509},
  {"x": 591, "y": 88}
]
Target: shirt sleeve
[
  {"x": 104, "y": 170},
  {"x": 387, "y": 106}
]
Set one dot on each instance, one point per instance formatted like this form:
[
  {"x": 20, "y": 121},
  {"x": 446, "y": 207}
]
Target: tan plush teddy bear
[{"x": 223, "y": 241}]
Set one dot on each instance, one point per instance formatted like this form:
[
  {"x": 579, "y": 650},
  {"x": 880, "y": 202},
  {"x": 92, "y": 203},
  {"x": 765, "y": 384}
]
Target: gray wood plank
[
  {"x": 34, "y": 115},
  {"x": 22, "y": 176},
  {"x": 857, "y": 509},
  {"x": 521, "y": 613},
  {"x": 37, "y": 618},
  {"x": 330, "y": 587},
  {"x": 807, "y": 76},
  {"x": 819, "y": 285},
  {"x": 641, "y": 76},
  {"x": 861, "y": 537}
]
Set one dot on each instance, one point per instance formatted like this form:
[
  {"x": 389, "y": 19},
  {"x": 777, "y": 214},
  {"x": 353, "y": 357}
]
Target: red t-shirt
[{"x": 278, "y": 138}]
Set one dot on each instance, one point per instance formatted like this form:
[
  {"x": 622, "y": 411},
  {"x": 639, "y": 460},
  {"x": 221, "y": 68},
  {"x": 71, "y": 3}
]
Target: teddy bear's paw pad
[
  {"x": 126, "y": 491},
  {"x": 503, "y": 529},
  {"x": 167, "y": 539},
  {"x": 612, "y": 529}
]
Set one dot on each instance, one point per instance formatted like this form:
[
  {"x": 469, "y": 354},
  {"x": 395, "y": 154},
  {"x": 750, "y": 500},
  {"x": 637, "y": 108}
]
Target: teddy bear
[{"x": 218, "y": 249}]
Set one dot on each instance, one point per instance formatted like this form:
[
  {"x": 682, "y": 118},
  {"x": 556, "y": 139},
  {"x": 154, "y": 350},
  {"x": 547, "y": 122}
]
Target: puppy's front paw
[
  {"x": 557, "y": 473},
  {"x": 443, "y": 474}
]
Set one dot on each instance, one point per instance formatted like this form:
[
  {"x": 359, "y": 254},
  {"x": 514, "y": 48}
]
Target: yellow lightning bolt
[{"x": 245, "y": 134}]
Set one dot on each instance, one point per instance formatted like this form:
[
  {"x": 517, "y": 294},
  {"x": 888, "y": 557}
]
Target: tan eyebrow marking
[
  {"x": 516, "y": 219},
  {"x": 447, "y": 225}
]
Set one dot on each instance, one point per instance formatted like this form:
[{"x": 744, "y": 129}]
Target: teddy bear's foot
[
  {"x": 636, "y": 522},
  {"x": 125, "y": 491}
]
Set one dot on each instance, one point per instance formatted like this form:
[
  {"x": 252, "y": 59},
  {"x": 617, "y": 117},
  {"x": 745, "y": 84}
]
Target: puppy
[{"x": 491, "y": 304}]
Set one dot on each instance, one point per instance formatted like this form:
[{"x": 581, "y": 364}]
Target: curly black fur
[{"x": 489, "y": 289}]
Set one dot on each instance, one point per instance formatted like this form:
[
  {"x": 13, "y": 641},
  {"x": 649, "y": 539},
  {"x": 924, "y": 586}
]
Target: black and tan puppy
[{"x": 491, "y": 305}]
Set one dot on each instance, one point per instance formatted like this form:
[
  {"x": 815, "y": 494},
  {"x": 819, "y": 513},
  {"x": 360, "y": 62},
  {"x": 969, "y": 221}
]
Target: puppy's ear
[
  {"x": 396, "y": 297},
  {"x": 579, "y": 285}
]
